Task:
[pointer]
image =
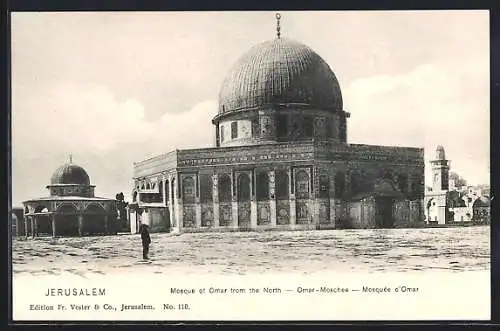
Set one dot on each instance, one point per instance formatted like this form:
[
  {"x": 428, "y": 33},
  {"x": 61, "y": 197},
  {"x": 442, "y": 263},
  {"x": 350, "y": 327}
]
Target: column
[
  {"x": 272, "y": 196},
  {"x": 234, "y": 199},
  {"x": 164, "y": 191},
  {"x": 179, "y": 210},
  {"x": 197, "y": 202},
  {"x": 170, "y": 204},
  {"x": 106, "y": 226},
  {"x": 331, "y": 194},
  {"x": 80, "y": 225},
  {"x": 26, "y": 226},
  {"x": 33, "y": 226},
  {"x": 315, "y": 195},
  {"x": 215, "y": 199},
  {"x": 291, "y": 194},
  {"x": 253, "y": 200},
  {"x": 347, "y": 195},
  {"x": 17, "y": 226},
  {"x": 54, "y": 226},
  {"x": 311, "y": 201}
]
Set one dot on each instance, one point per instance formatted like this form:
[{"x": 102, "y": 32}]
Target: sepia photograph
[{"x": 251, "y": 165}]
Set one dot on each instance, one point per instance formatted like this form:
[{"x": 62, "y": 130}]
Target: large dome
[
  {"x": 70, "y": 174},
  {"x": 280, "y": 71}
]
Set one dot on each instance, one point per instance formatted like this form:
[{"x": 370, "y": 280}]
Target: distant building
[
  {"x": 71, "y": 209},
  {"x": 447, "y": 203},
  {"x": 281, "y": 159}
]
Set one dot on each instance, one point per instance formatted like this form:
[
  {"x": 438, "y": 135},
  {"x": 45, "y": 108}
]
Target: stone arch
[
  {"x": 224, "y": 188},
  {"x": 67, "y": 220},
  {"x": 94, "y": 220},
  {"x": 243, "y": 187},
  {"x": 43, "y": 220},
  {"x": 134, "y": 196},
  {"x": 262, "y": 186},
  {"x": 148, "y": 186},
  {"x": 188, "y": 190}
]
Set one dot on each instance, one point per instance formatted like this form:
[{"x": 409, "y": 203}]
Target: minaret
[
  {"x": 278, "y": 27},
  {"x": 440, "y": 171}
]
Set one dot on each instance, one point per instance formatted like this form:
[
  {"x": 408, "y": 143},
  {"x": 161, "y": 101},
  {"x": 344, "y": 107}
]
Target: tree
[
  {"x": 459, "y": 181},
  {"x": 121, "y": 206}
]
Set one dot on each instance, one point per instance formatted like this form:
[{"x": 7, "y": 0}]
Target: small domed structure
[
  {"x": 71, "y": 209},
  {"x": 70, "y": 174}
]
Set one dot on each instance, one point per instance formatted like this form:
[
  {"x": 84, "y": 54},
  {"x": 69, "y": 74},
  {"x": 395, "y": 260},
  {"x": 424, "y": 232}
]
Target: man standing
[{"x": 146, "y": 240}]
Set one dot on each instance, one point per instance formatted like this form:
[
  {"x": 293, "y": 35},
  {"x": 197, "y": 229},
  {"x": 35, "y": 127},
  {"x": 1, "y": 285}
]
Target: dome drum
[{"x": 270, "y": 125}]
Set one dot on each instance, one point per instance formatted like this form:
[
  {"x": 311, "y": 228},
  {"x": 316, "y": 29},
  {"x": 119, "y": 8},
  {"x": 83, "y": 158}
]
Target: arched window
[
  {"x": 262, "y": 186},
  {"x": 205, "y": 188},
  {"x": 243, "y": 187},
  {"x": 324, "y": 186},
  {"x": 282, "y": 185},
  {"x": 224, "y": 188},
  {"x": 188, "y": 190},
  {"x": 234, "y": 130},
  {"x": 302, "y": 184}
]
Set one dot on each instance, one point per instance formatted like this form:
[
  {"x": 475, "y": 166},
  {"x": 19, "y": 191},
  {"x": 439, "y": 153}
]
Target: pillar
[
  {"x": 80, "y": 225},
  {"x": 315, "y": 195},
  {"x": 164, "y": 191},
  {"x": 26, "y": 226},
  {"x": 179, "y": 210},
  {"x": 169, "y": 203},
  {"x": 291, "y": 194},
  {"x": 253, "y": 201},
  {"x": 33, "y": 226},
  {"x": 215, "y": 199},
  {"x": 311, "y": 201},
  {"x": 234, "y": 200},
  {"x": 17, "y": 226},
  {"x": 272, "y": 196},
  {"x": 331, "y": 195},
  {"x": 54, "y": 226}
]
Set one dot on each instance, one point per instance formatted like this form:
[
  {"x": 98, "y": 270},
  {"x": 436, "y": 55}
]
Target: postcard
[{"x": 250, "y": 166}]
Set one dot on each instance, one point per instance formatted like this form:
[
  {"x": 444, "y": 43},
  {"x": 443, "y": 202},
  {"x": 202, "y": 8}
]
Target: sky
[{"x": 115, "y": 88}]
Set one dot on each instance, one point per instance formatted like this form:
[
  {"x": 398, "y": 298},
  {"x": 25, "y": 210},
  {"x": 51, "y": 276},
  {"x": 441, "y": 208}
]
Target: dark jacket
[{"x": 144, "y": 231}]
